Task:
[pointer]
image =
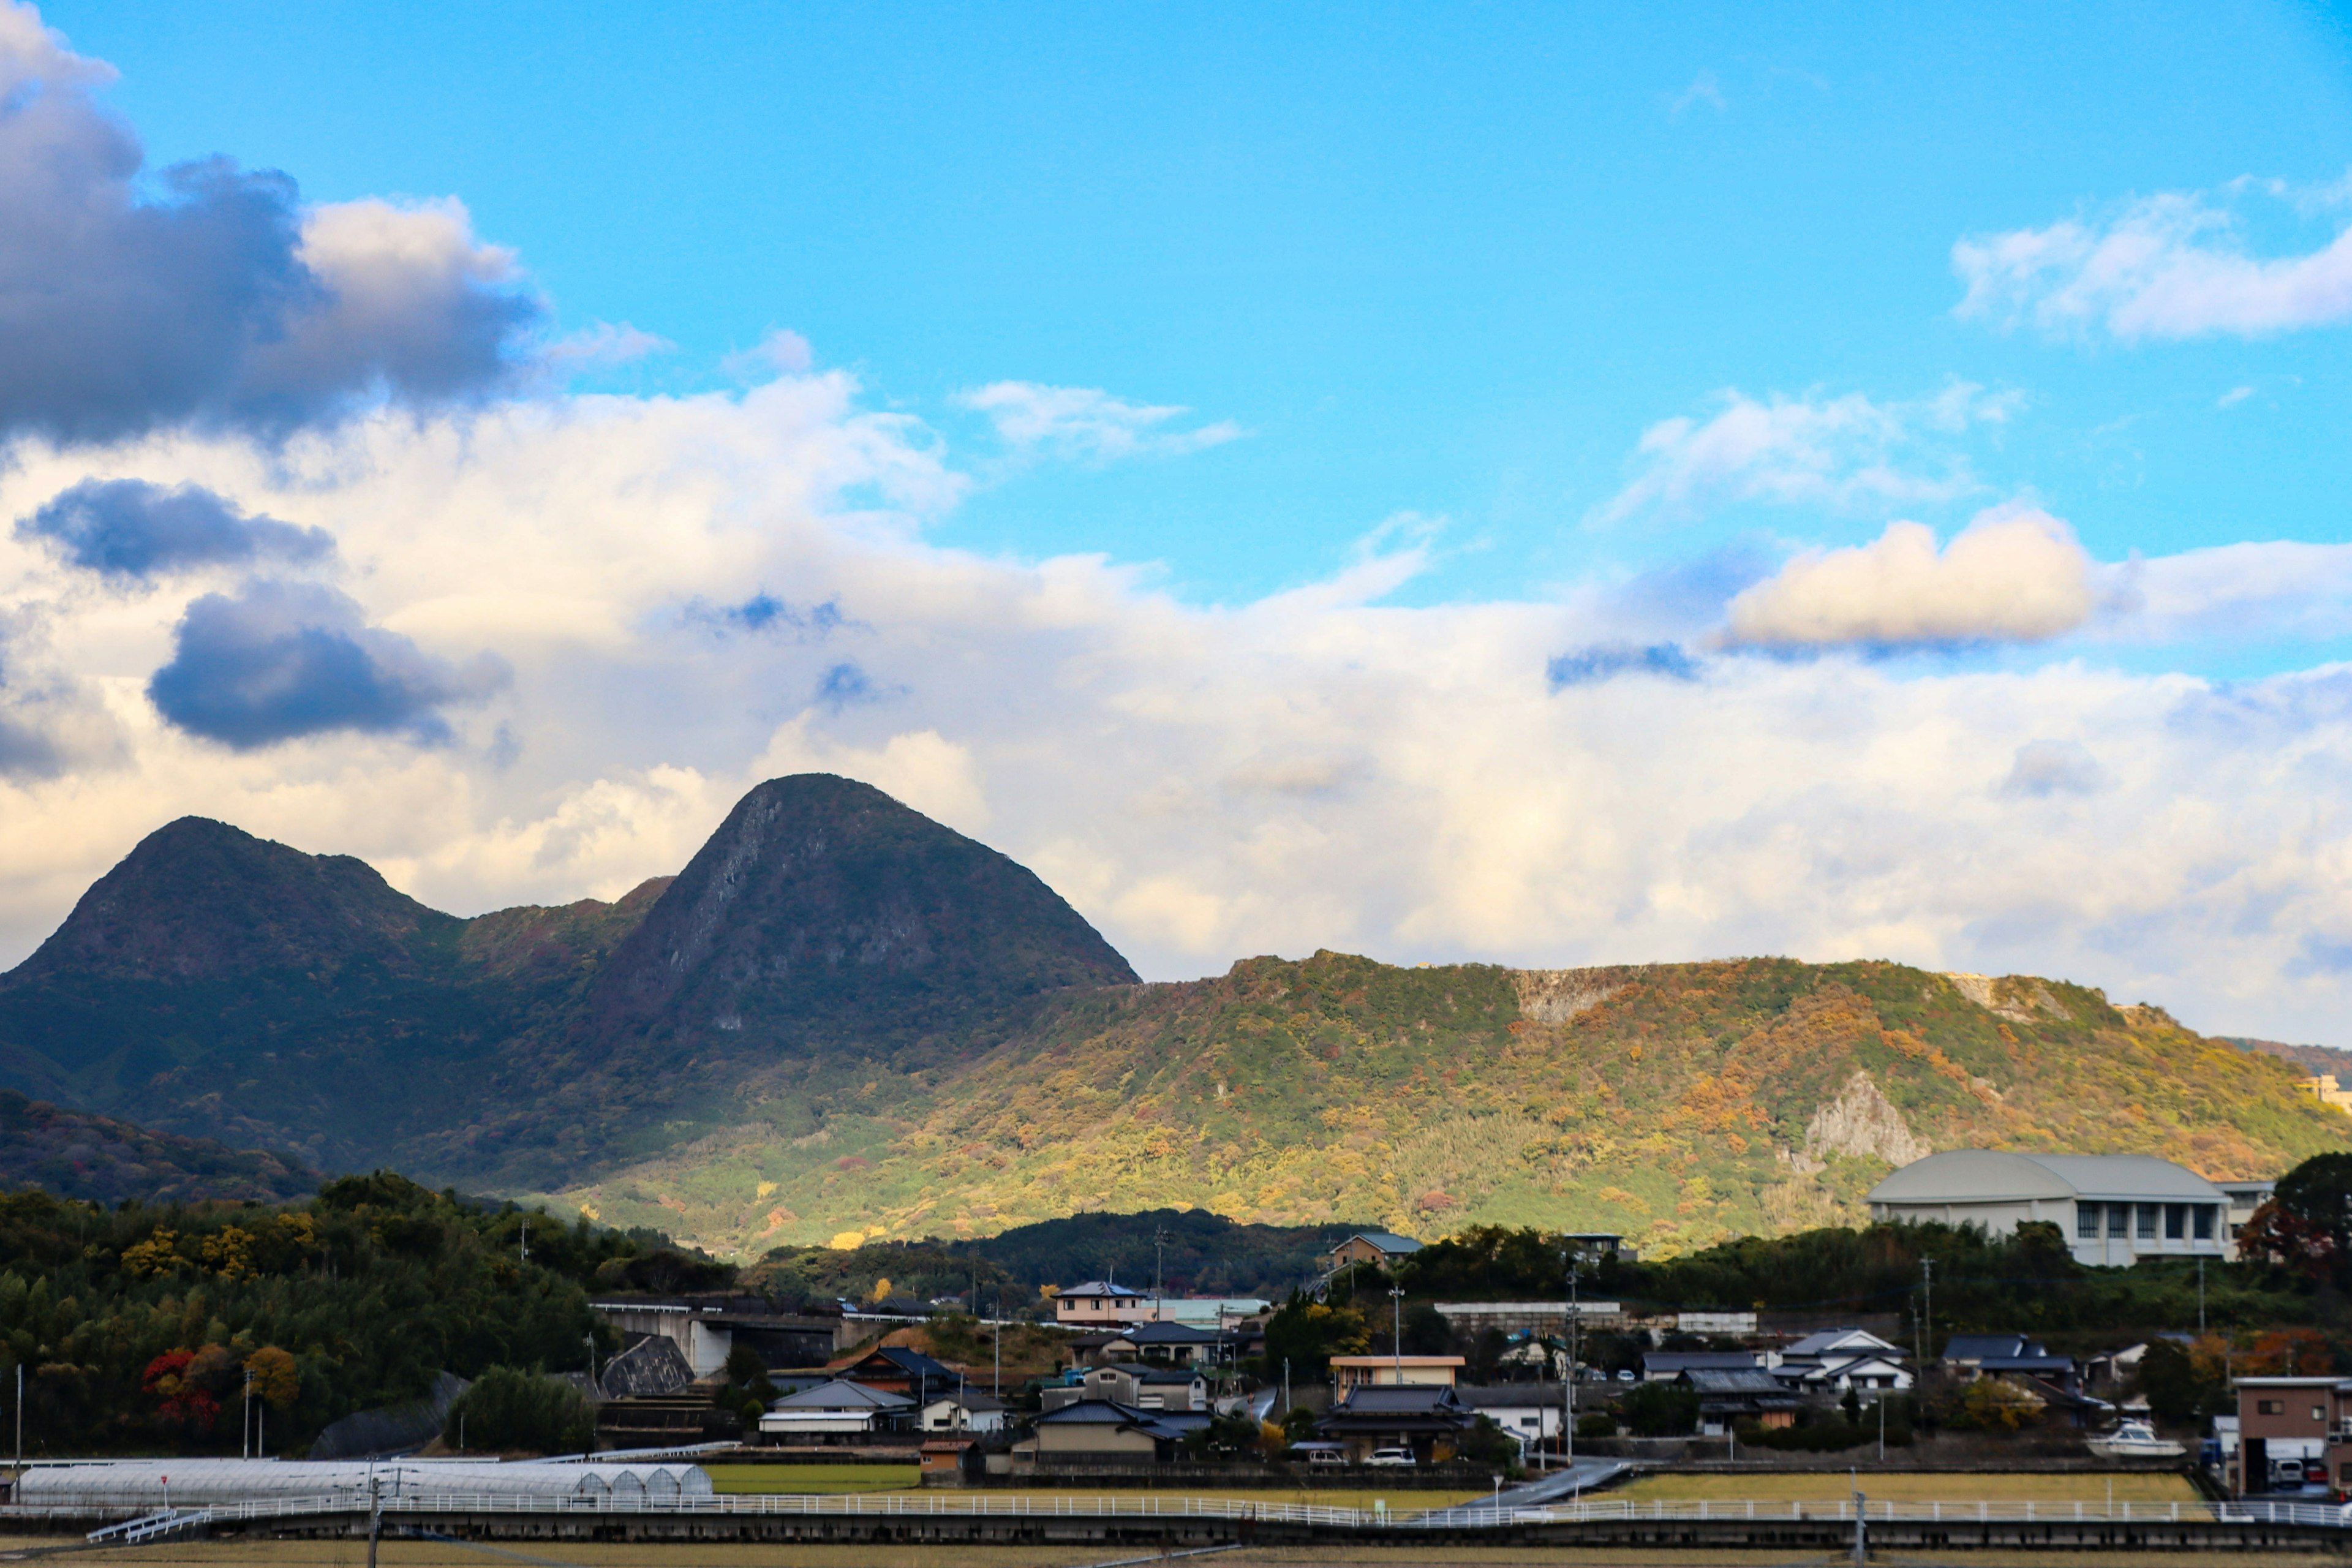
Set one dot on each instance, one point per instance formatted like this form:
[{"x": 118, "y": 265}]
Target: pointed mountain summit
[
  {"x": 825, "y": 911},
  {"x": 198, "y": 900}
]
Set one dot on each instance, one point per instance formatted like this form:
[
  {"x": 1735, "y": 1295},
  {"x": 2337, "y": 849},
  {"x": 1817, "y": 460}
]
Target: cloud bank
[
  {"x": 221, "y": 299},
  {"x": 1505, "y": 780}
]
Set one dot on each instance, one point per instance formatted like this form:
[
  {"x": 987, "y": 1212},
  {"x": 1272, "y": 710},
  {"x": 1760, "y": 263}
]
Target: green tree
[
  {"x": 510, "y": 1410},
  {"x": 1308, "y": 1334},
  {"x": 1662, "y": 1410}
]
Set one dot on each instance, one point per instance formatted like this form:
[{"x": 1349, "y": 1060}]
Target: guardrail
[{"x": 1467, "y": 1516}]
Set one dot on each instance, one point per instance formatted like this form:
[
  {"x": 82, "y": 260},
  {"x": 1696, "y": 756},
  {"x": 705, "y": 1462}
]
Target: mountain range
[{"x": 842, "y": 1022}]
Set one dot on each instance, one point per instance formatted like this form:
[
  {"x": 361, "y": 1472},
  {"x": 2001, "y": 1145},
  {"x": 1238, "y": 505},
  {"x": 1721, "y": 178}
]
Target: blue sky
[
  {"x": 1449, "y": 262},
  {"x": 1536, "y": 484}
]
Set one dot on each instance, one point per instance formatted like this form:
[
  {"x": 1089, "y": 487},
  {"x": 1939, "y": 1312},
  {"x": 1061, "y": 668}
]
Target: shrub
[{"x": 1602, "y": 1425}]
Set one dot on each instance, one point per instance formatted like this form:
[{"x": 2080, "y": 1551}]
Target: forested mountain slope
[{"x": 1676, "y": 1103}]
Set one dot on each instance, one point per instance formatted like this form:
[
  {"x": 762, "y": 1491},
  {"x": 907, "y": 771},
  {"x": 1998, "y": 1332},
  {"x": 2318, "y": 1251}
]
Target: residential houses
[
  {"x": 1373, "y": 1248},
  {"x": 1136, "y": 1383},
  {"x": 837, "y": 1408},
  {"x": 2292, "y": 1432},
  {"x": 1729, "y": 1395},
  {"x": 1103, "y": 1304},
  {"x": 1350, "y": 1372},
  {"x": 1429, "y": 1419}
]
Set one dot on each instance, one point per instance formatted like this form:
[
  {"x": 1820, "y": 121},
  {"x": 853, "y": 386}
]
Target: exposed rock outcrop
[{"x": 1862, "y": 1122}]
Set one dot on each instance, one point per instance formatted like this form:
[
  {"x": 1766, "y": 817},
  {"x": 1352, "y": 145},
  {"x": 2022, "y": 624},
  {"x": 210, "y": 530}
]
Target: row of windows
[{"x": 2138, "y": 1221}]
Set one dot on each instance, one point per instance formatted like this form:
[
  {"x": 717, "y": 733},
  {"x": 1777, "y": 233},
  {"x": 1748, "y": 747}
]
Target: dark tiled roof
[
  {"x": 1747, "y": 1380},
  {"x": 1976, "y": 1347},
  {"x": 1394, "y": 1399},
  {"x": 1673, "y": 1362},
  {"x": 1167, "y": 1335}
]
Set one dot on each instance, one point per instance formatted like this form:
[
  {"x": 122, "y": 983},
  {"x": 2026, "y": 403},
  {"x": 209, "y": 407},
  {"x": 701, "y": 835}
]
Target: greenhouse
[{"x": 194, "y": 1483}]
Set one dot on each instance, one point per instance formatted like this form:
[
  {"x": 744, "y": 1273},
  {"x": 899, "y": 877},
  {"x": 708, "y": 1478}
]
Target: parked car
[
  {"x": 1398, "y": 1456},
  {"x": 1326, "y": 1456}
]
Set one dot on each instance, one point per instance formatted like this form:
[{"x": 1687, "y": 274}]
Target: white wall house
[{"x": 2113, "y": 1209}]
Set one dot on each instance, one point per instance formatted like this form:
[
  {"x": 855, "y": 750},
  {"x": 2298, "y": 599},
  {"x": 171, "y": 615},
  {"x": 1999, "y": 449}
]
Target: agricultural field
[
  {"x": 806, "y": 1479},
  {"x": 1989, "y": 1487}
]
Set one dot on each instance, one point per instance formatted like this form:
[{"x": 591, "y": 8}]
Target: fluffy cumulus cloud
[
  {"x": 1837, "y": 453},
  {"x": 280, "y": 661},
  {"x": 2170, "y": 265},
  {"x": 219, "y": 297},
  {"x": 131, "y": 529},
  {"x": 2012, "y": 575},
  {"x": 1082, "y": 422}
]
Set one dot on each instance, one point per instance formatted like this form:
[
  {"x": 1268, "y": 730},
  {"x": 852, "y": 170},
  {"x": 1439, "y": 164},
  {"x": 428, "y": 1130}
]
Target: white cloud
[
  {"x": 606, "y": 342},
  {"x": 1085, "y": 422},
  {"x": 2232, "y": 397},
  {"x": 2169, "y": 266},
  {"x": 2012, "y": 575},
  {"x": 1703, "y": 88},
  {"x": 1835, "y": 452},
  {"x": 1319, "y": 769}
]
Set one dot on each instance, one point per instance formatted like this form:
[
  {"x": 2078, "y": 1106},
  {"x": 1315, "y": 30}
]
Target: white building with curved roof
[{"x": 2114, "y": 1209}]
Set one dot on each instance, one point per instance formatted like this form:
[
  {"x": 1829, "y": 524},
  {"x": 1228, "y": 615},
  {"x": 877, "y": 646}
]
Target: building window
[
  {"x": 2270, "y": 1406},
  {"x": 2204, "y": 1213},
  {"x": 2147, "y": 1222},
  {"x": 2319, "y": 1414},
  {"x": 2118, "y": 1220},
  {"x": 2087, "y": 1221},
  {"x": 2176, "y": 1221}
]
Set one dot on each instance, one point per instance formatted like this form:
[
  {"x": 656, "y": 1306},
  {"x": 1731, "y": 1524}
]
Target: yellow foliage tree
[
  {"x": 158, "y": 1254},
  {"x": 275, "y": 1376},
  {"x": 1997, "y": 1403}
]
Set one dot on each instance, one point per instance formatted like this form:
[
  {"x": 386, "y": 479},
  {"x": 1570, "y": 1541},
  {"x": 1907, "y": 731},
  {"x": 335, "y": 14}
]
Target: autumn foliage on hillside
[{"x": 1680, "y": 1105}]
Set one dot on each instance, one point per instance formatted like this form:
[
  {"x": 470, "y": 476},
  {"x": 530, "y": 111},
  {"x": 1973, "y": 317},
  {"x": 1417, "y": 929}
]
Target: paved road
[{"x": 1553, "y": 1486}]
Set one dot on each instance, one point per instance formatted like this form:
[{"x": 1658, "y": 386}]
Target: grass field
[
  {"x": 807, "y": 1478},
  {"x": 1997, "y": 1486}
]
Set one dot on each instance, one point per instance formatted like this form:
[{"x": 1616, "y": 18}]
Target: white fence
[{"x": 1473, "y": 1516}]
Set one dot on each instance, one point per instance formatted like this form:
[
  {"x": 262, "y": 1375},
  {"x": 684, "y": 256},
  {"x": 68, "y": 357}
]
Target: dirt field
[{"x": 2012, "y": 1486}]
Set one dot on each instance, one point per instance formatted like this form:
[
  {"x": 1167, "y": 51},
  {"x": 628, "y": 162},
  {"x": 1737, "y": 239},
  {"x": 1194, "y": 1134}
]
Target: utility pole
[
  {"x": 1286, "y": 1386},
  {"x": 1927, "y": 1312},
  {"x": 375, "y": 1516},
  {"x": 20, "y": 1420},
  {"x": 526, "y": 1238},
  {"x": 2200, "y": 1297},
  {"x": 999, "y": 1337},
  {"x": 1159, "y": 1272},
  {"x": 1396, "y": 1344},
  {"x": 1568, "y": 1372},
  {"x": 244, "y": 1427}
]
